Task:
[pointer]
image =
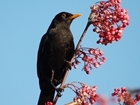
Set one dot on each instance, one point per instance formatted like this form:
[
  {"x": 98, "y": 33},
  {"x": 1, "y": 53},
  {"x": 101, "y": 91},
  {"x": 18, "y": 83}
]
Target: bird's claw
[
  {"x": 59, "y": 91},
  {"x": 68, "y": 64}
]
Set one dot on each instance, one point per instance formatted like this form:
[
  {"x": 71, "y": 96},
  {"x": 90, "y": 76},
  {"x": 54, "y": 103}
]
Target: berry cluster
[
  {"x": 85, "y": 95},
  {"x": 125, "y": 97},
  {"x": 91, "y": 57},
  {"x": 109, "y": 20},
  {"x": 48, "y": 103}
]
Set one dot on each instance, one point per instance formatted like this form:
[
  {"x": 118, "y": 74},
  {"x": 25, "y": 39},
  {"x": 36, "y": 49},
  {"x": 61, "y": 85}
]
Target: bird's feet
[
  {"x": 68, "y": 64},
  {"x": 59, "y": 91}
]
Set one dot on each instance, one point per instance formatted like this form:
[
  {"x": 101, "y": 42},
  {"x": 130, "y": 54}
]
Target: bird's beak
[{"x": 74, "y": 16}]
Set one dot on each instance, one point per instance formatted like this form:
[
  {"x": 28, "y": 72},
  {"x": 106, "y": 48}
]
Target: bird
[{"x": 55, "y": 51}]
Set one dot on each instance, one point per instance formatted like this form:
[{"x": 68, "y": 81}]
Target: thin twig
[
  {"x": 67, "y": 71},
  {"x": 73, "y": 103}
]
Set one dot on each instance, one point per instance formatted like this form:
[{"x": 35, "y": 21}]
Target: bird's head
[{"x": 65, "y": 18}]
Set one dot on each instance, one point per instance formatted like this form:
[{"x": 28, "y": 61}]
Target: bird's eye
[{"x": 63, "y": 15}]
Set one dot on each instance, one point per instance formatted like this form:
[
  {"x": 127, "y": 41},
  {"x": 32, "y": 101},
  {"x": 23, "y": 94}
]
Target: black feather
[{"x": 56, "y": 47}]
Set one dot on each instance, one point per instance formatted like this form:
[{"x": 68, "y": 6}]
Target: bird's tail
[{"x": 47, "y": 94}]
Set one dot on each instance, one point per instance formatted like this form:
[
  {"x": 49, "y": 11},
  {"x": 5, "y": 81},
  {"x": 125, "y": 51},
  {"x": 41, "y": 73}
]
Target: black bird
[{"x": 55, "y": 51}]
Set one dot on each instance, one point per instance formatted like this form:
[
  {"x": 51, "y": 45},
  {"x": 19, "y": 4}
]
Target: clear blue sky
[{"x": 22, "y": 24}]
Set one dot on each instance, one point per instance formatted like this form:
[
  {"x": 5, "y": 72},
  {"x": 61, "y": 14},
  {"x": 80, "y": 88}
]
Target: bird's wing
[
  {"x": 40, "y": 51},
  {"x": 70, "y": 50},
  {"x": 47, "y": 91}
]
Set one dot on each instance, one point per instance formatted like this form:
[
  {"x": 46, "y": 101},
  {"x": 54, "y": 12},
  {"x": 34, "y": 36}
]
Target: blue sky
[{"x": 22, "y": 24}]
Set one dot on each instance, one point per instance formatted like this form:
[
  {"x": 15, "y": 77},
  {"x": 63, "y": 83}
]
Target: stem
[
  {"x": 81, "y": 38},
  {"x": 67, "y": 71}
]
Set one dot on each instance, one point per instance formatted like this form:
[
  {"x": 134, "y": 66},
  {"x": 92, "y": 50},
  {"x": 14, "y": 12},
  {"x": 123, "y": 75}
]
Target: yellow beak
[{"x": 74, "y": 16}]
